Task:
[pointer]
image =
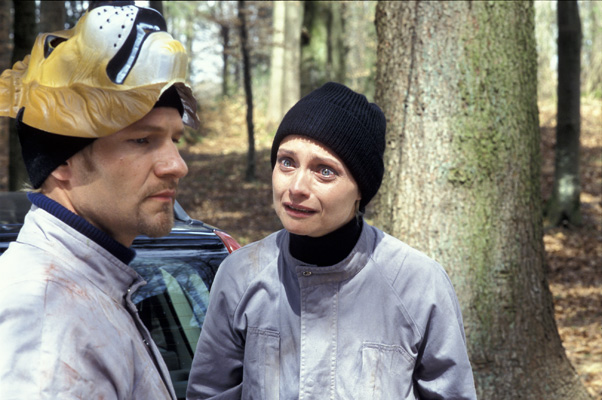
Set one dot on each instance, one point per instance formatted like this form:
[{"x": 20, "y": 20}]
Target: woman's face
[{"x": 314, "y": 193}]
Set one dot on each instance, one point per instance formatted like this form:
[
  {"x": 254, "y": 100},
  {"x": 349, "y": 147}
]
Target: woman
[{"x": 330, "y": 307}]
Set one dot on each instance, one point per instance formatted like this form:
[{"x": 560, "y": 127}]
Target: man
[{"x": 99, "y": 110}]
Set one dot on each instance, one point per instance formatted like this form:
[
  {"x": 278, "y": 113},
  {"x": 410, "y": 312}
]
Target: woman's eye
[
  {"x": 286, "y": 163},
  {"x": 327, "y": 172}
]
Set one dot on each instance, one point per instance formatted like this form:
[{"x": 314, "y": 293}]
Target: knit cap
[{"x": 346, "y": 123}]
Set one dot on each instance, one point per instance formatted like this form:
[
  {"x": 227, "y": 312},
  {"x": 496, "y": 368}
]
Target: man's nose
[{"x": 171, "y": 163}]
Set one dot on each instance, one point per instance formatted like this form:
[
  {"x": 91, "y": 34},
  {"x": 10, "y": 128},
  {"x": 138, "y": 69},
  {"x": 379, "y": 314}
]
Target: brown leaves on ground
[
  {"x": 574, "y": 254},
  {"x": 215, "y": 191}
]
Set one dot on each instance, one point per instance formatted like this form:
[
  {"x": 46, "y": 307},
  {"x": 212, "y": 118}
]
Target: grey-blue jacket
[
  {"x": 382, "y": 324},
  {"x": 68, "y": 327}
]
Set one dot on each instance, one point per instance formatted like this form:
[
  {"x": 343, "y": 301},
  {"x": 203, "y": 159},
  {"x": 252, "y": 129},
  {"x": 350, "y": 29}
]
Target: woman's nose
[{"x": 300, "y": 185}]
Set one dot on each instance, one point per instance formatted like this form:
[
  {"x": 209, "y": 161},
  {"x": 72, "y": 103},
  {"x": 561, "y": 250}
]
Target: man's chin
[{"x": 160, "y": 226}]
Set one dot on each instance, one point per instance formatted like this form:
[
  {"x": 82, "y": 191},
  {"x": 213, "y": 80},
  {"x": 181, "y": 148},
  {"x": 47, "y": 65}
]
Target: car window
[{"x": 173, "y": 304}]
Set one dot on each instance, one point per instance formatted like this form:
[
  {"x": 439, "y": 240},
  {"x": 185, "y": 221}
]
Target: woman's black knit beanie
[{"x": 346, "y": 123}]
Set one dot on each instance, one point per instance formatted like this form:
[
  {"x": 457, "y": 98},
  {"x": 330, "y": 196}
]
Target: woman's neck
[{"x": 329, "y": 249}]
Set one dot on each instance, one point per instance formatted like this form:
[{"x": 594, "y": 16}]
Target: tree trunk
[
  {"x": 274, "y": 110},
  {"x": 246, "y": 64},
  {"x": 25, "y": 31},
  {"x": 157, "y": 5},
  {"x": 337, "y": 51},
  {"x": 322, "y": 45},
  {"x": 52, "y": 16},
  {"x": 457, "y": 82},
  {"x": 6, "y": 50},
  {"x": 291, "y": 89},
  {"x": 285, "y": 80},
  {"x": 225, "y": 34},
  {"x": 564, "y": 203},
  {"x": 314, "y": 46}
]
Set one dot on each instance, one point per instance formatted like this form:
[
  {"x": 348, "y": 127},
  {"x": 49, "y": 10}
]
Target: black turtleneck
[{"x": 328, "y": 249}]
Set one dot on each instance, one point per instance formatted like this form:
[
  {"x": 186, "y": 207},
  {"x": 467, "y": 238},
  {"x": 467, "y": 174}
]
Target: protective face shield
[{"x": 99, "y": 77}]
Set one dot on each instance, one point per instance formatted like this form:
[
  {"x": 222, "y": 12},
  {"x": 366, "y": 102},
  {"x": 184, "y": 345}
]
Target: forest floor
[
  {"x": 215, "y": 191},
  {"x": 574, "y": 254}
]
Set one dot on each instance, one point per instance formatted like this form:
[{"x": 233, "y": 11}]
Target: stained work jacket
[
  {"x": 382, "y": 324},
  {"x": 68, "y": 327}
]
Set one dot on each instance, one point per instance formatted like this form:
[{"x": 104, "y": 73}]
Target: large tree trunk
[
  {"x": 25, "y": 32},
  {"x": 6, "y": 50},
  {"x": 564, "y": 203},
  {"x": 457, "y": 82}
]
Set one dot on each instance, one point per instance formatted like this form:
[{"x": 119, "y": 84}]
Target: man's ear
[{"x": 63, "y": 172}]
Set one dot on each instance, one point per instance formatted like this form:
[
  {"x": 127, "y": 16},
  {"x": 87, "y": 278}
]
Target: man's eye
[{"x": 140, "y": 140}]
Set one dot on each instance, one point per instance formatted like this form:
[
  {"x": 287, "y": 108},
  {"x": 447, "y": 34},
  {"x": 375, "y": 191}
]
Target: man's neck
[{"x": 78, "y": 223}]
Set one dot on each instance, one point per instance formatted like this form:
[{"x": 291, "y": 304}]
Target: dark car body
[{"x": 179, "y": 269}]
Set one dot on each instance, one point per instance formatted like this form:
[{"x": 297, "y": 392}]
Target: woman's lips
[{"x": 298, "y": 211}]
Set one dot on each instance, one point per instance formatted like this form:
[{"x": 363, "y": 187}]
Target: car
[{"x": 179, "y": 269}]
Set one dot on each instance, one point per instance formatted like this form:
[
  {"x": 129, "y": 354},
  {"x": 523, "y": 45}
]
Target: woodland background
[{"x": 241, "y": 69}]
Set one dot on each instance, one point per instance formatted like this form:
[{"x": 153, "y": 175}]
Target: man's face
[{"x": 125, "y": 184}]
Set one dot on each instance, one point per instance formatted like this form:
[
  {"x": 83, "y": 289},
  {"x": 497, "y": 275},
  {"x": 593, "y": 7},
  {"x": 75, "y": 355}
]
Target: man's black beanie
[
  {"x": 346, "y": 123},
  {"x": 43, "y": 152}
]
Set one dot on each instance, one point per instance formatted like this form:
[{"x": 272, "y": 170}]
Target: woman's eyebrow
[
  {"x": 286, "y": 152},
  {"x": 327, "y": 160}
]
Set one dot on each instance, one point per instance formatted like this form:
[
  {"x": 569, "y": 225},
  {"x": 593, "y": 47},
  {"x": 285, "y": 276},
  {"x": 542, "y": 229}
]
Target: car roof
[{"x": 13, "y": 207}]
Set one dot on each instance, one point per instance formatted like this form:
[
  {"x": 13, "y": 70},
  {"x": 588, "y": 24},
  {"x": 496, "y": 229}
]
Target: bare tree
[
  {"x": 244, "y": 43},
  {"x": 564, "y": 204},
  {"x": 285, "y": 80}
]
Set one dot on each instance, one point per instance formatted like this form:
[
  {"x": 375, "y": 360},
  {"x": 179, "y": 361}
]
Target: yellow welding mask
[{"x": 99, "y": 77}]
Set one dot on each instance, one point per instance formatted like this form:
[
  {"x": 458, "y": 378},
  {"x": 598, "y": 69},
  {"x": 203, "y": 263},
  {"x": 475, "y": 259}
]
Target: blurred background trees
[{"x": 295, "y": 46}]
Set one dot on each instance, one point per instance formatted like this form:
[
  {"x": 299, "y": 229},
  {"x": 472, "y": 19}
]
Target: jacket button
[{"x": 306, "y": 273}]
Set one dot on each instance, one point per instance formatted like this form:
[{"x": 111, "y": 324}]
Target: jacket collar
[
  {"x": 77, "y": 252},
  {"x": 357, "y": 259}
]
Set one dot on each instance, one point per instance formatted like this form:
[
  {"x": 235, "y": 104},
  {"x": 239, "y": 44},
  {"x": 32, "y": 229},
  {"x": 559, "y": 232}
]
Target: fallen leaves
[{"x": 574, "y": 254}]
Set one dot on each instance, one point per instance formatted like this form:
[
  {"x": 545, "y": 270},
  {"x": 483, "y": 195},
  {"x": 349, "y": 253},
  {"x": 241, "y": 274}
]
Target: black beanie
[
  {"x": 346, "y": 123},
  {"x": 43, "y": 152}
]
